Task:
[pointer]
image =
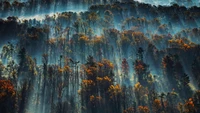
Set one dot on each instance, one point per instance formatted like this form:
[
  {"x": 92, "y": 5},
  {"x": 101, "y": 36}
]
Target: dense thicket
[{"x": 125, "y": 57}]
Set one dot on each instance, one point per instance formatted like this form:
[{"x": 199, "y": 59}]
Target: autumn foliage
[{"x": 6, "y": 89}]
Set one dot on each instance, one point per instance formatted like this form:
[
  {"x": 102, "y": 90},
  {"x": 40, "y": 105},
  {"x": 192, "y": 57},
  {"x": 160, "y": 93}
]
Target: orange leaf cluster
[
  {"x": 67, "y": 68},
  {"x": 143, "y": 109},
  {"x": 95, "y": 98},
  {"x": 181, "y": 43},
  {"x": 6, "y": 89},
  {"x": 189, "y": 106},
  {"x": 92, "y": 98},
  {"x": 156, "y": 105},
  {"x": 107, "y": 63},
  {"x": 138, "y": 86},
  {"x": 186, "y": 46},
  {"x": 140, "y": 89},
  {"x": 91, "y": 70},
  {"x": 100, "y": 64},
  {"x": 106, "y": 78},
  {"x": 60, "y": 70},
  {"x": 99, "y": 79}
]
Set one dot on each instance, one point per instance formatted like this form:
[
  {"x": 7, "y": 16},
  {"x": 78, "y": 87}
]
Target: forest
[{"x": 99, "y": 56}]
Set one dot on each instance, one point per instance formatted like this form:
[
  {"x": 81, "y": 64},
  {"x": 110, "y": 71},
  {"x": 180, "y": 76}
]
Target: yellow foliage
[
  {"x": 99, "y": 79},
  {"x": 140, "y": 90},
  {"x": 98, "y": 40},
  {"x": 83, "y": 38},
  {"x": 103, "y": 79},
  {"x": 107, "y": 63},
  {"x": 67, "y": 68},
  {"x": 87, "y": 83},
  {"x": 170, "y": 41},
  {"x": 114, "y": 90},
  {"x": 79, "y": 91},
  {"x": 183, "y": 44},
  {"x": 106, "y": 78},
  {"x": 137, "y": 86},
  {"x": 60, "y": 70}
]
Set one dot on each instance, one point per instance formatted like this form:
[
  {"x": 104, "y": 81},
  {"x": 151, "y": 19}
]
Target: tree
[
  {"x": 7, "y": 97},
  {"x": 22, "y": 59},
  {"x": 140, "y": 54},
  {"x": 124, "y": 43},
  {"x": 108, "y": 19},
  {"x": 168, "y": 66},
  {"x": 8, "y": 50},
  {"x": 141, "y": 94},
  {"x": 98, "y": 83},
  {"x": 189, "y": 106},
  {"x": 195, "y": 70},
  {"x": 92, "y": 18},
  {"x": 83, "y": 44},
  {"x": 196, "y": 100},
  {"x": 125, "y": 68},
  {"x": 157, "y": 107},
  {"x": 77, "y": 25},
  {"x": 141, "y": 68},
  {"x": 1, "y": 68},
  {"x": 172, "y": 98},
  {"x": 162, "y": 96}
]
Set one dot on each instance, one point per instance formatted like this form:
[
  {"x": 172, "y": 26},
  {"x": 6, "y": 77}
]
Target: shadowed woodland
[{"x": 115, "y": 57}]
